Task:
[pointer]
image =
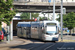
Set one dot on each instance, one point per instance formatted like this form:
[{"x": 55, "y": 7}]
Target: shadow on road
[
  {"x": 68, "y": 34},
  {"x": 73, "y": 34},
  {"x": 14, "y": 33},
  {"x": 39, "y": 46},
  {"x": 37, "y": 40},
  {"x": 27, "y": 46},
  {"x": 46, "y": 46}
]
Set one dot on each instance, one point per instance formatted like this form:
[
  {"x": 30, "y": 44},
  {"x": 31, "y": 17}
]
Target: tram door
[
  {"x": 40, "y": 32},
  {"x": 19, "y": 32},
  {"x": 35, "y": 32},
  {"x": 26, "y": 32}
]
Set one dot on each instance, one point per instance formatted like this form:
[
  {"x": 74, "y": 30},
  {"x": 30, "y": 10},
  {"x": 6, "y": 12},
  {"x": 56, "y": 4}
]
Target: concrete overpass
[{"x": 28, "y": 6}]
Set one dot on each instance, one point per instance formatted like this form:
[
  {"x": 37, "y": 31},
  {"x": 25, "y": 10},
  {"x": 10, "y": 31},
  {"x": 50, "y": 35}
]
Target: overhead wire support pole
[
  {"x": 61, "y": 20},
  {"x": 30, "y": 15},
  {"x": 49, "y": 7},
  {"x": 53, "y": 10}
]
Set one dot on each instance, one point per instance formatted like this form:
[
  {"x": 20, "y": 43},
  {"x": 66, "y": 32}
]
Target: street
[
  {"x": 46, "y": 46},
  {"x": 35, "y": 44},
  {"x": 37, "y": 24}
]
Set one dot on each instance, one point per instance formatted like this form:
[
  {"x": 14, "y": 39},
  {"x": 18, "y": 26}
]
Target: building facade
[{"x": 44, "y": 0}]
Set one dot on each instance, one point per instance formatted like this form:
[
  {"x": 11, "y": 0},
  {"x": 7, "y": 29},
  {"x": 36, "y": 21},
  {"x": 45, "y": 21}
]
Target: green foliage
[
  {"x": 43, "y": 18},
  {"x": 27, "y": 15},
  {"x": 68, "y": 20},
  {"x": 6, "y": 14},
  {"x": 35, "y": 15}
]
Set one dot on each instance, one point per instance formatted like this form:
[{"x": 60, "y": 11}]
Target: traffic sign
[
  {"x": 35, "y": 19},
  {"x": 68, "y": 31},
  {"x": 49, "y": 1}
]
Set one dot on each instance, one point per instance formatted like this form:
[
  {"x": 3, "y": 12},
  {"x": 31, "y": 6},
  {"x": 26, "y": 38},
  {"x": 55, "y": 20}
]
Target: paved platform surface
[
  {"x": 18, "y": 41},
  {"x": 15, "y": 41}
]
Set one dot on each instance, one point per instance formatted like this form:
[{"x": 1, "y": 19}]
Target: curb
[{"x": 67, "y": 41}]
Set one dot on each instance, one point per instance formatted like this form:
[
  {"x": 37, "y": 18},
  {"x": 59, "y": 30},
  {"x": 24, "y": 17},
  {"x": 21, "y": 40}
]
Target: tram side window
[
  {"x": 57, "y": 30},
  {"x": 34, "y": 27},
  {"x": 25, "y": 28},
  {"x": 18, "y": 26}
]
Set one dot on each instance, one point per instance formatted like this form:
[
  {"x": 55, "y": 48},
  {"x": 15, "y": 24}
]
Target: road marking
[
  {"x": 62, "y": 46},
  {"x": 49, "y": 46},
  {"x": 34, "y": 46}
]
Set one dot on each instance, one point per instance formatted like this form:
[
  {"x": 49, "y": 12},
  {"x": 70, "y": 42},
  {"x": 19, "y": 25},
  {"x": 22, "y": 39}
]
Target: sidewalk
[
  {"x": 18, "y": 41},
  {"x": 67, "y": 38},
  {"x": 14, "y": 42}
]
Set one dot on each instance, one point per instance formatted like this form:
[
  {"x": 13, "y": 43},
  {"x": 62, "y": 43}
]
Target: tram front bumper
[{"x": 51, "y": 38}]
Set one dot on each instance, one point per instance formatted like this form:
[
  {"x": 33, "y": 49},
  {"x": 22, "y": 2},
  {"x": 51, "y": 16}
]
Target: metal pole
[
  {"x": 53, "y": 10},
  {"x": 11, "y": 30},
  {"x": 30, "y": 15},
  {"x": 61, "y": 20},
  {"x": 44, "y": 15},
  {"x": 8, "y": 39},
  {"x": 48, "y": 15}
]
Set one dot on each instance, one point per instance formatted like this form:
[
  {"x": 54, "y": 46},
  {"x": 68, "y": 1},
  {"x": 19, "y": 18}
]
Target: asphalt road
[
  {"x": 33, "y": 44},
  {"x": 46, "y": 46}
]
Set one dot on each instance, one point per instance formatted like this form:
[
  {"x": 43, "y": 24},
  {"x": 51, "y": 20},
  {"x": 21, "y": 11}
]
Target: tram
[
  {"x": 23, "y": 29},
  {"x": 50, "y": 31},
  {"x": 43, "y": 30}
]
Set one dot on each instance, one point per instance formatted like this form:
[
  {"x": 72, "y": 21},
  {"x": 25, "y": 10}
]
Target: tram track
[
  {"x": 32, "y": 48},
  {"x": 56, "y": 46},
  {"x": 49, "y": 46},
  {"x": 41, "y": 46}
]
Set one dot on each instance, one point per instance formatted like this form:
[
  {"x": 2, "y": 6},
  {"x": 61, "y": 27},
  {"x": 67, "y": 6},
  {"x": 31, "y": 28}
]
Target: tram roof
[
  {"x": 46, "y": 21},
  {"x": 23, "y": 22},
  {"x": 37, "y": 22}
]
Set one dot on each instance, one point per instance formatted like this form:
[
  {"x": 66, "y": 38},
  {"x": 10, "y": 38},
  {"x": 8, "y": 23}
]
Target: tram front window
[{"x": 51, "y": 32}]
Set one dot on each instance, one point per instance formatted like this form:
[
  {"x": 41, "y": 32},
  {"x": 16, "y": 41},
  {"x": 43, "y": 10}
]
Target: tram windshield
[{"x": 51, "y": 30}]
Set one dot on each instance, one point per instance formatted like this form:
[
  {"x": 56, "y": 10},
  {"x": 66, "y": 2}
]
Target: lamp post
[
  {"x": 49, "y": 6},
  {"x": 30, "y": 15},
  {"x": 44, "y": 15},
  {"x": 53, "y": 10},
  {"x": 61, "y": 20}
]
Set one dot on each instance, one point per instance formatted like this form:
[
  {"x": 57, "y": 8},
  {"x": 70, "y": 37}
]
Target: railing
[{"x": 41, "y": 2}]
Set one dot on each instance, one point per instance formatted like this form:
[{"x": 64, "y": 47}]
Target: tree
[
  {"x": 43, "y": 18},
  {"x": 68, "y": 20},
  {"x": 35, "y": 15},
  {"x": 6, "y": 14},
  {"x": 27, "y": 15}
]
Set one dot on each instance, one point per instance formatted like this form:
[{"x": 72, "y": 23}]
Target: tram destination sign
[{"x": 51, "y": 23}]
